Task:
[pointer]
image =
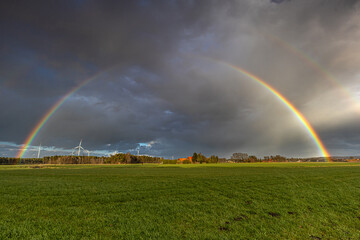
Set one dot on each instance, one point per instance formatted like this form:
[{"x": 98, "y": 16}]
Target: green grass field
[{"x": 220, "y": 201}]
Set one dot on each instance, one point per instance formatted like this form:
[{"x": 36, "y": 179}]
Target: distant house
[{"x": 181, "y": 160}]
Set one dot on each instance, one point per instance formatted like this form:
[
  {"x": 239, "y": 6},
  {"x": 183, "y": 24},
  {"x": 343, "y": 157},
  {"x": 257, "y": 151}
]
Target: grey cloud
[
  {"x": 277, "y": 1},
  {"x": 163, "y": 88}
]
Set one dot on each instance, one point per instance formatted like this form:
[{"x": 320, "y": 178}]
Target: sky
[{"x": 160, "y": 86}]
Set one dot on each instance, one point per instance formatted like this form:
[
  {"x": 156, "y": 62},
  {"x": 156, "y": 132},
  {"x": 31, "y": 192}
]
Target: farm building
[{"x": 181, "y": 160}]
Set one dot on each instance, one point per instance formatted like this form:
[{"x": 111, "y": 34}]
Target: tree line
[
  {"x": 200, "y": 158},
  {"x": 119, "y": 158},
  {"x": 127, "y": 158},
  {"x": 245, "y": 158}
]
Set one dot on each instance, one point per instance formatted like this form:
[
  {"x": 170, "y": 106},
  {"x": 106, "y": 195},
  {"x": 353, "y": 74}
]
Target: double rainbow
[{"x": 297, "y": 113}]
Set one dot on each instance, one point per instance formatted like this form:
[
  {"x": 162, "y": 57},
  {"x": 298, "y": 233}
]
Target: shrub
[{"x": 168, "y": 161}]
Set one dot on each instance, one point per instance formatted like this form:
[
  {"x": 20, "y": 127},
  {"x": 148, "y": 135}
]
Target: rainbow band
[
  {"x": 52, "y": 110},
  {"x": 297, "y": 113}
]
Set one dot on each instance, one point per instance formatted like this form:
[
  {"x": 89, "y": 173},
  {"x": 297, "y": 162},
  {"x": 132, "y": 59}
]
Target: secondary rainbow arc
[
  {"x": 314, "y": 65},
  {"x": 297, "y": 113}
]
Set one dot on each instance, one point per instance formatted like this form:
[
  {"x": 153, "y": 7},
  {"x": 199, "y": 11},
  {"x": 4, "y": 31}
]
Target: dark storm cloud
[
  {"x": 277, "y": 1},
  {"x": 104, "y": 32},
  {"x": 49, "y": 46},
  {"x": 163, "y": 97}
]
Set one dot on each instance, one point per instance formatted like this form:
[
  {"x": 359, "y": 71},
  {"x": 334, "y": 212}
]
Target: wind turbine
[
  {"x": 38, "y": 156},
  {"x": 88, "y": 152},
  {"x": 79, "y": 149}
]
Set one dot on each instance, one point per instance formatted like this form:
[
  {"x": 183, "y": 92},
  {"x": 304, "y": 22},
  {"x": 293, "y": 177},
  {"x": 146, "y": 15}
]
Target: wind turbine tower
[
  {"x": 88, "y": 152},
  {"x": 39, "y": 151},
  {"x": 79, "y": 147}
]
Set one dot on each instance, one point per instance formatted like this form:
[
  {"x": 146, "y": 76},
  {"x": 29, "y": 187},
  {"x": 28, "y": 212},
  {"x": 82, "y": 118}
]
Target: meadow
[{"x": 152, "y": 201}]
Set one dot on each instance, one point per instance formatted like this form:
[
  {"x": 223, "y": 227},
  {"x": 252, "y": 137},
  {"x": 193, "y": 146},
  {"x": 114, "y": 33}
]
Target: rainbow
[
  {"x": 297, "y": 113},
  {"x": 61, "y": 101},
  {"x": 30, "y": 138},
  {"x": 315, "y": 66}
]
